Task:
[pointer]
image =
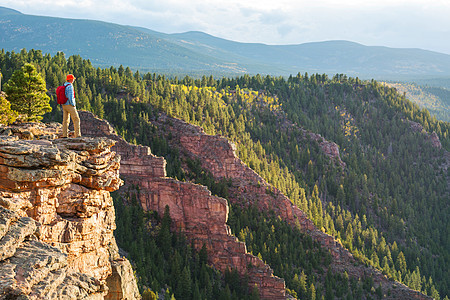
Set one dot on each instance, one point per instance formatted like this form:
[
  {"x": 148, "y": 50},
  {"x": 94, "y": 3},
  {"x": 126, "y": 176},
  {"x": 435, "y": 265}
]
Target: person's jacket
[{"x": 70, "y": 94}]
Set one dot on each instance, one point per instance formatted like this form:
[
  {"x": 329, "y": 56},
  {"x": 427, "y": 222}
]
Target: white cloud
[{"x": 396, "y": 23}]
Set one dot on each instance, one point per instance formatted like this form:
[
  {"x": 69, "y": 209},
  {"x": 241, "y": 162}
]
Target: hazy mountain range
[{"x": 107, "y": 44}]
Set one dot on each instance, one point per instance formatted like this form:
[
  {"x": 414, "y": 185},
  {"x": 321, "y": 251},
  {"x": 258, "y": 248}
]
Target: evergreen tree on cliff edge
[{"x": 26, "y": 92}]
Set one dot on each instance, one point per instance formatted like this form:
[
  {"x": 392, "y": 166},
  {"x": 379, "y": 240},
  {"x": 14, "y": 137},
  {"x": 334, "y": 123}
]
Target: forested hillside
[
  {"x": 388, "y": 203},
  {"x": 434, "y": 99}
]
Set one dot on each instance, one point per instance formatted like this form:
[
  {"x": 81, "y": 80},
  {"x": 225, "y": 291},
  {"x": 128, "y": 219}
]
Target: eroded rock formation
[
  {"x": 62, "y": 187},
  {"x": 217, "y": 155},
  {"x": 36, "y": 270},
  {"x": 201, "y": 216}
]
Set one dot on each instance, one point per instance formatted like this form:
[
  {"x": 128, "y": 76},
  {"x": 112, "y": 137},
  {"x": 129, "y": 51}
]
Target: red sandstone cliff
[
  {"x": 201, "y": 216},
  {"x": 57, "y": 191},
  {"x": 218, "y": 155},
  {"x": 203, "y": 220}
]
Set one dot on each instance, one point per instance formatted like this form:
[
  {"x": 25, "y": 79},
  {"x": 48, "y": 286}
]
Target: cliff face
[
  {"x": 60, "y": 189},
  {"x": 201, "y": 216},
  {"x": 34, "y": 269},
  {"x": 217, "y": 155}
]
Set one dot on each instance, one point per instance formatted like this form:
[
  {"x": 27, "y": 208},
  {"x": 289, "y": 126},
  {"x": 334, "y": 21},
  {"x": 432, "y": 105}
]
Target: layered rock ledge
[
  {"x": 62, "y": 187},
  {"x": 35, "y": 270}
]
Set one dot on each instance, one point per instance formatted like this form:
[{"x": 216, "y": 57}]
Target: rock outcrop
[
  {"x": 35, "y": 270},
  {"x": 62, "y": 186},
  {"x": 201, "y": 216},
  {"x": 433, "y": 137},
  {"x": 331, "y": 149}
]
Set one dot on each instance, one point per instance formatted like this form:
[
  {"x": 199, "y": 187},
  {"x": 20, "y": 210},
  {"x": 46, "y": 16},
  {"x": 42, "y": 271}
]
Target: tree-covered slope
[
  {"x": 435, "y": 99},
  {"x": 388, "y": 205},
  {"x": 393, "y": 173}
]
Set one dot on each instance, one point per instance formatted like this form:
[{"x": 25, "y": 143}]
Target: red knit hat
[{"x": 70, "y": 77}]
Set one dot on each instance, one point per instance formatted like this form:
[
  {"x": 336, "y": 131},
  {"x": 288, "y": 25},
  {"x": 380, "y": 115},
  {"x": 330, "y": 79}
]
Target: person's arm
[{"x": 70, "y": 94}]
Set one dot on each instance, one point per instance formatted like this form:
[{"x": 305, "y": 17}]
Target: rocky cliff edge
[{"x": 57, "y": 218}]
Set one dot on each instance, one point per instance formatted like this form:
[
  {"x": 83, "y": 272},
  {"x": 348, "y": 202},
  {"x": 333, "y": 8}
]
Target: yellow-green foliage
[
  {"x": 348, "y": 124},
  {"x": 7, "y": 115},
  {"x": 415, "y": 93},
  {"x": 149, "y": 295}
]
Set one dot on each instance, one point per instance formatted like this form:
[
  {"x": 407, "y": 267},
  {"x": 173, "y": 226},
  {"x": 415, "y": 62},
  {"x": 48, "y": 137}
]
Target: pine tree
[
  {"x": 97, "y": 106},
  {"x": 401, "y": 263},
  {"x": 203, "y": 255},
  {"x": 26, "y": 92},
  {"x": 184, "y": 287},
  {"x": 226, "y": 295},
  {"x": 303, "y": 286},
  {"x": 435, "y": 293},
  {"x": 255, "y": 294},
  {"x": 164, "y": 236},
  {"x": 196, "y": 293},
  {"x": 312, "y": 292},
  {"x": 296, "y": 282}
]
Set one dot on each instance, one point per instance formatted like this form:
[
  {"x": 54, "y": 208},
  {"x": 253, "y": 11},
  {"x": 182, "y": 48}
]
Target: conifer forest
[{"x": 387, "y": 202}]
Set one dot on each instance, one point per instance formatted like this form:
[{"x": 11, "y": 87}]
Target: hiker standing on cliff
[{"x": 69, "y": 108}]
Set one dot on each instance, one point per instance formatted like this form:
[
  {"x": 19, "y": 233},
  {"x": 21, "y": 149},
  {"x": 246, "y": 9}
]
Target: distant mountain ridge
[{"x": 107, "y": 44}]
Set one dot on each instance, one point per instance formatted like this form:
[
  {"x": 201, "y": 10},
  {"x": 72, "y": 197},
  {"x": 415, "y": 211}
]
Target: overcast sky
[{"x": 421, "y": 24}]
